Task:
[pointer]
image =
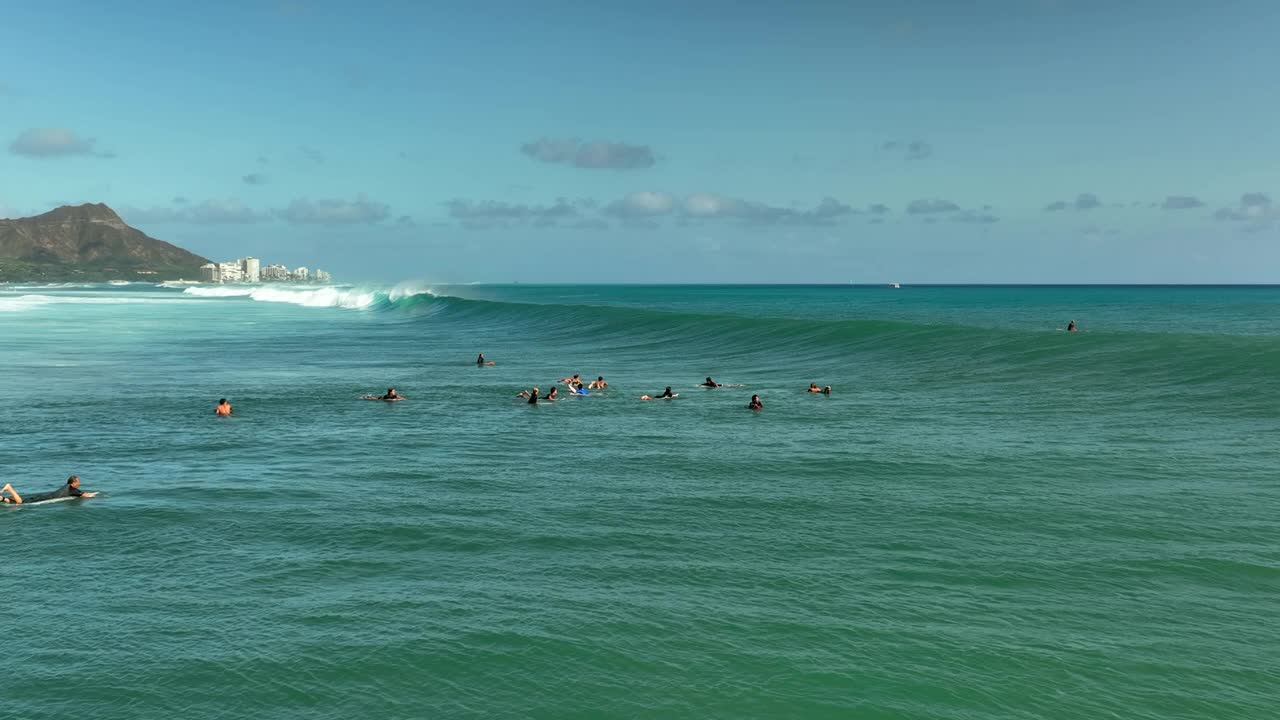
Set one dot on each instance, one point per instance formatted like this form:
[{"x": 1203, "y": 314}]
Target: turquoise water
[{"x": 989, "y": 518}]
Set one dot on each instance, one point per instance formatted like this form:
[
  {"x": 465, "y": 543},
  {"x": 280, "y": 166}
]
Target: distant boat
[{"x": 894, "y": 285}]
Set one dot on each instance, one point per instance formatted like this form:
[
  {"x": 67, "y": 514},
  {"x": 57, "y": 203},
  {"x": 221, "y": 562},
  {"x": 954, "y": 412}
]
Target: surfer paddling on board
[
  {"x": 666, "y": 394},
  {"x": 710, "y": 384},
  {"x": 223, "y": 409},
  {"x": 481, "y": 362},
  {"x": 598, "y": 384},
  {"x": 391, "y": 396},
  {"x": 9, "y": 496},
  {"x": 531, "y": 394}
]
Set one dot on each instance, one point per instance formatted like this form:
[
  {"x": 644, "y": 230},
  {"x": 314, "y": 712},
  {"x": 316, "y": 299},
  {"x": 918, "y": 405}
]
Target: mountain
[{"x": 87, "y": 242}]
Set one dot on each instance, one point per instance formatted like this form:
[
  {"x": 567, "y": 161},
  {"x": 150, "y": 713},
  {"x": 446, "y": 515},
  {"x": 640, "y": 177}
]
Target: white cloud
[
  {"x": 1254, "y": 209},
  {"x": 642, "y": 204},
  {"x": 1083, "y": 201},
  {"x": 498, "y": 213},
  {"x": 926, "y": 206},
  {"x": 52, "y": 143},
  {"x": 334, "y": 212}
]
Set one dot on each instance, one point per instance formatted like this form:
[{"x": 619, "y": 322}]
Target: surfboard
[{"x": 50, "y": 501}]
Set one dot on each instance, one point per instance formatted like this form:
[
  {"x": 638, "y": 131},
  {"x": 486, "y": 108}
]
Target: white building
[
  {"x": 230, "y": 272},
  {"x": 274, "y": 273},
  {"x": 322, "y": 276},
  {"x": 302, "y": 274},
  {"x": 209, "y": 273},
  {"x": 249, "y": 269}
]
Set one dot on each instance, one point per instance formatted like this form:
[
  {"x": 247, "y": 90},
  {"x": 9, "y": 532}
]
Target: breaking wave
[{"x": 351, "y": 298}]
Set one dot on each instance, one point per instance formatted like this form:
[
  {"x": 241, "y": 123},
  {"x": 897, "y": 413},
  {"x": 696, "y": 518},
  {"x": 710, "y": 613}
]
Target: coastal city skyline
[{"x": 251, "y": 270}]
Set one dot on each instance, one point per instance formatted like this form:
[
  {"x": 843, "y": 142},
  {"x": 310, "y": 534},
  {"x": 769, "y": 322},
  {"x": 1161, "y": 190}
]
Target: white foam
[
  {"x": 24, "y": 302},
  {"x": 30, "y": 302},
  {"x": 350, "y": 298}
]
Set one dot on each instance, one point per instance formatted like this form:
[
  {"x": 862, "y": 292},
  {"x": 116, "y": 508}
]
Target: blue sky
[{"x": 917, "y": 141}]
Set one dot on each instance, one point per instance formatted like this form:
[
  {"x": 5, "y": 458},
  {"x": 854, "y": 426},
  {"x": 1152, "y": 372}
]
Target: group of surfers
[{"x": 575, "y": 385}]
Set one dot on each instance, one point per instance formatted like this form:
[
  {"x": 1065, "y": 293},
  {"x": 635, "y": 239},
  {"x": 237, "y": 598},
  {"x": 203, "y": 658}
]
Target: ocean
[{"x": 988, "y": 518}]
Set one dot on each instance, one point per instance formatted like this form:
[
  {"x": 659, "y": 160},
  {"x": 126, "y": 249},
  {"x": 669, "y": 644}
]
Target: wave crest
[{"x": 350, "y": 298}]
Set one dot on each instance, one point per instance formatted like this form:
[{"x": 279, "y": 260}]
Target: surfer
[
  {"x": 71, "y": 489},
  {"x": 531, "y": 394},
  {"x": 826, "y": 390},
  {"x": 1071, "y": 326},
  {"x": 391, "y": 396},
  {"x": 223, "y": 409},
  {"x": 755, "y": 403},
  {"x": 665, "y": 394},
  {"x": 598, "y": 384},
  {"x": 481, "y": 362},
  {"x": 551, "y": 396},
  {"x": 710, "y": 383}
]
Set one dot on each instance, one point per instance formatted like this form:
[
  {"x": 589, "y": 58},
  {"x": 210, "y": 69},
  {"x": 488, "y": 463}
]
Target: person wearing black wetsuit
[
  {"x": 71, "y": 489},
  {"x": 711, "y": 383},
  {"x": 533, "y": 396},
  {"x": 666, "y": 393}
]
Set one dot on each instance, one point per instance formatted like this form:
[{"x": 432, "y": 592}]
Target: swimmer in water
[
  {"x": 755, "y": 403},
  {"x": 710, "y": 384},
  {"x": 665, "y": 394},
  {"x": 1071, "y": 326},
  {"x": 223, "y": 409},
  {"x": 481, "y": 362},
  {"x": 813, "y": 388},
  {"x": 826, "y": 390},
  {"x": 598, "y": 384},
  {"x": 391, "y": 396},
  {"x": 9, "y": 496}
]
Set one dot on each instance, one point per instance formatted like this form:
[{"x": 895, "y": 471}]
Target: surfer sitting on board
[
  {"x": 813, "y": 388},
  {"x": 391, "y": 396},
  {"x": 480, "y": 361},
  {"x": 1071, "y": 326},
  {"x": 598, "y": 384},
  {"x": 223, "y": 409},
  {"x": 665, "y": 394},
  {"x": 710, "y": 383},
  {"x": 72, "y": 489},
  {"x": 755, "y": 403}
]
